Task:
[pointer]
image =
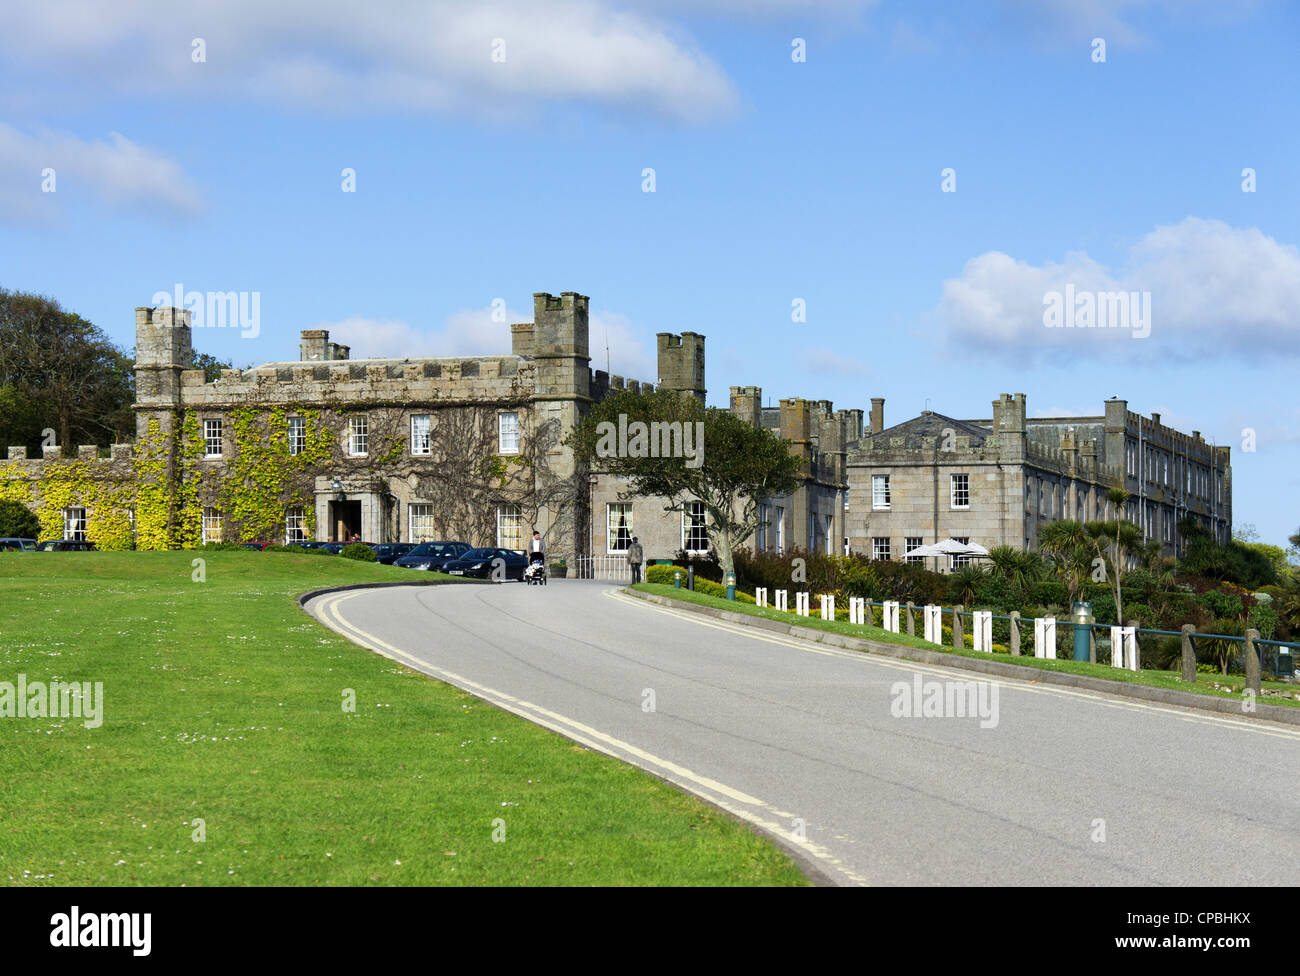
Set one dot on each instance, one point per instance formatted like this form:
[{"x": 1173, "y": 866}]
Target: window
[
  {"x": 508, "y": 527},
  {"x": 211, "y": 525},
  {"x": 358, "y": 436},
  {"x": 830, "y": 528},
  {"x": 420, "y": 526},
  {"x": 618, "y": 521},
  {"x": 779, "y": 521},
  {"x": 958, "y": 561},
  {"x": 694, "y": 536},
  {"x": 880, "y": 548},
  {"x": 295, "y": 525},
  {"x": 960, "y": 490},
  {"x": 212, "y": 438},
  {"x": 74, "y": 524},
  {"x": 910, "y": 543},
  {"x": 508, "y": 433},
  {"x": 421, "y": 437},
  {"x": 297, "y": 435},
  {"x": 760, "y": 541},
  {"x": 880, "y": 491}
]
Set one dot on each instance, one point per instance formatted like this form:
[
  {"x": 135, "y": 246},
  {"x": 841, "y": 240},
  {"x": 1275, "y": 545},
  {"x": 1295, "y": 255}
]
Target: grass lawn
[
  {"x": 1160, "y": 679},
  {"x": 223, "y": 701}
]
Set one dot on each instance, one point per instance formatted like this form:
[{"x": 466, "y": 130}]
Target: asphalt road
[{"x": 1055, "y": 786}]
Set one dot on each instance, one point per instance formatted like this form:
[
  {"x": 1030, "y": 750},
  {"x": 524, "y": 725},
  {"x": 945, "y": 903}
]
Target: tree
[
  {"x": 17, "y": 521},
  {"x": 1113, "y": 540},
  {"x": 61, "y": 372},
  {"x": 1070, "y": 550},
  {"x": 729, "y": 470},
  {"x": 1019, "y": 567}
]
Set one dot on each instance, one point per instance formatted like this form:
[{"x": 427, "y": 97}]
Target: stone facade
[
  {"x": 996, "y": 481},
  {"x": 473, "y": 449}
]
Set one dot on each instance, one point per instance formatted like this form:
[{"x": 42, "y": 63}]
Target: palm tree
[
  {"x": 1113, "y": 540},
  {"x": 1019, "y": 567},
  {"x": 1069, "y": 547},
  {"x": 966, "y": 581}
]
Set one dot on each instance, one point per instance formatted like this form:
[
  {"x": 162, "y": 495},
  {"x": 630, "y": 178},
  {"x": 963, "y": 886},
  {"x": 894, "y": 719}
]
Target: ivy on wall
[{"x": 264, "y": 478}]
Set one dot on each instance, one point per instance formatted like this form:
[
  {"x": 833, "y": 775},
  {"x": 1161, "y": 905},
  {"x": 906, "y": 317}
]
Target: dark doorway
[{"x": 345, "y": 520}]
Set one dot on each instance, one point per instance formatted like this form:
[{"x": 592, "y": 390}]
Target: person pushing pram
[{"x": 536, "y": 569}]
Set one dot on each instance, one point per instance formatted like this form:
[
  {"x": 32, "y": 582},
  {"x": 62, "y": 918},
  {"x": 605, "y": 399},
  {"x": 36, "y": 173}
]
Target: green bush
[
  {"x": 18, "y": 521},
  {"x": 222, "y": 546},
  {"x": 663, "y": 574},
  {"x": 358, "y": 550}
]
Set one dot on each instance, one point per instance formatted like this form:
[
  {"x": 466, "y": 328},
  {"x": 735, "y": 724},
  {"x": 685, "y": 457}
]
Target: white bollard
[
  {"x": 1123, "y": 648},
  {"x": 828, "y": 606},
  {"x": 801, "y": 604},
  {"x": 982, "y": 623},
  {"x": 781, "y": 603},
  {"x": 1045, "y": 637},
  {"x": 857, "y": 610},
  {"x": 889, "y": 617},
  {"x": 933, "y": 617},
  {"x": 760, "y": 596}
]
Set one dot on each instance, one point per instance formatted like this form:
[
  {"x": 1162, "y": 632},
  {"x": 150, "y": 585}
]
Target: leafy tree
[
  {"x": 18, "y": 521},
  {"x": 737, "y": 467},
  {"x": 59, "y": 371}
]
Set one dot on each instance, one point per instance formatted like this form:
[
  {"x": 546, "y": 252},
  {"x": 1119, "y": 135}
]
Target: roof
[{"x": 932, "y": 425}]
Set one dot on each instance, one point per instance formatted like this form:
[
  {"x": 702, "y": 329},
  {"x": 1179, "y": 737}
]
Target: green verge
[
  {"x": 1232, "y": 684},
  {"x": 223, "y": 701}
]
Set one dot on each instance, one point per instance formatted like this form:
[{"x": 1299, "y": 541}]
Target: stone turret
[
  {"x": 747, "y": 403},
  {"x": 163, "y": 350},
  {"x": 681, "y": 363},
  {"x": 315, "y": 346}
]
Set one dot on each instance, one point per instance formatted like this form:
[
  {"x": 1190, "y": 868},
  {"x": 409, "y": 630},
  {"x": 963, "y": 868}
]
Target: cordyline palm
[
  {"x": 1113, "y": 541},
  {"x": 1018, "y": 567},
  {"x": 966, "y": 581},
  {"x": 1069, "y": 546}
]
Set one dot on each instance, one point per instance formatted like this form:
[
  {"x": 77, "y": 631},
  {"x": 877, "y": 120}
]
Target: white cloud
[
  {"x": 474, "y": 332},
  {"x": 119, "y": 172},
  {"x": 822, "y": 360},
  {"x": 1215, "y": 291},
  {"x": 412, "y": 55}
]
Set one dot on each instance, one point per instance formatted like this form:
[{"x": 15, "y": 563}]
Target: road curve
[{"x": 1067, "y": 788}]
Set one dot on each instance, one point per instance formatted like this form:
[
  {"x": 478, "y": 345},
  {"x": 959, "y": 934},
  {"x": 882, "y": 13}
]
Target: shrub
[
  {"x": 663, "y": 574},
  {"x": 710, "y": 588},
  {"x": 357, "y": 550},
  {"x": 222, "y": 547},
  {"x": 18, "y": 521}
]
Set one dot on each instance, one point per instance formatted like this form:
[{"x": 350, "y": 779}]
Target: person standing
[
  {"x": 535, "y": 548},
  {"x": 635, "y": 555}
]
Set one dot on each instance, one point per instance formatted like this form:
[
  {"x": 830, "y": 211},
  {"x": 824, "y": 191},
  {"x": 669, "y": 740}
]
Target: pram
[{"x": 535, "y": 572}]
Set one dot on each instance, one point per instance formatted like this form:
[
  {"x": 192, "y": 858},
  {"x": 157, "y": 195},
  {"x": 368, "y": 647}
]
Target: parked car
[
  {"x": 387, "y": 552},
  {"x": 479, "y": 564},
  {"x": 253, "y": 545},
  {"x": 333, "y": 548},
  {"x": 13, "y": 542},
  {"x": 66, "y": 545},
  {"x": 308, "y": 545},
  {"x": 432, "y": 555}
]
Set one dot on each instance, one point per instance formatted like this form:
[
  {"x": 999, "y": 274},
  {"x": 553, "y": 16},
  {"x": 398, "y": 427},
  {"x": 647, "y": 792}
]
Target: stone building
[
  {"x": 996, "y": 481},
  {"x": 327, "y": 447}
]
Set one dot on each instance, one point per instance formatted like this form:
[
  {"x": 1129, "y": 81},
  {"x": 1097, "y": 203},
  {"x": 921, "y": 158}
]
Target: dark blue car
[
  {"x": 480, "y": 564},
  {"x": 431, "y": 555}
]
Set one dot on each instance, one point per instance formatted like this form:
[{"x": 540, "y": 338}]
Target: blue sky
[{"x": 775, "y": 180}]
